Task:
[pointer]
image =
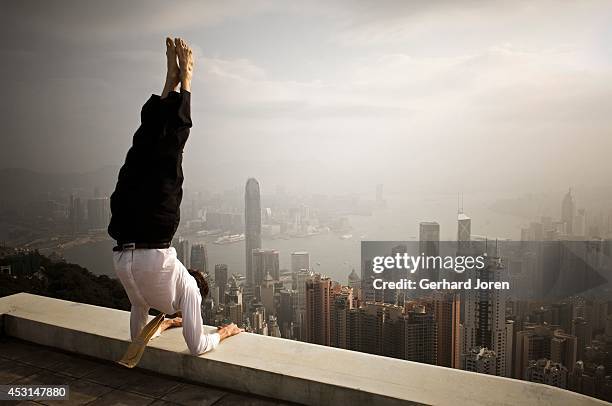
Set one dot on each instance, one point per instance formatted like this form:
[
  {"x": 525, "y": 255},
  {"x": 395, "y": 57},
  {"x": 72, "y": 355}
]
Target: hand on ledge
[
  {"x": 171, "y": 323},
  {"x": 229, "y": 330}
]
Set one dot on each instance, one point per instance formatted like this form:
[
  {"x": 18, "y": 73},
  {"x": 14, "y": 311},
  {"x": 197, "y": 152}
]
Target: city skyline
[{"x": 557, "y": 342}]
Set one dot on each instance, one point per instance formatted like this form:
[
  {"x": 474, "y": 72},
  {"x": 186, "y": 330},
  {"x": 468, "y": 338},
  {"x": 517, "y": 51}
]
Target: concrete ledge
[{"x": 271, "y": 367}]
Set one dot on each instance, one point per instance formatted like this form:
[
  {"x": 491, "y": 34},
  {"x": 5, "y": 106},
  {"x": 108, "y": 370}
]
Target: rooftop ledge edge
[{"x": 271, "y": 367}]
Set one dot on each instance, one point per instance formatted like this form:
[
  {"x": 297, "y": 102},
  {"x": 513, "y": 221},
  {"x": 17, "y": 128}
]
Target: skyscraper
[
  {"x": 341, "y": 303},
  {"x": 447, "y": 310},
  {"x": 300, "y": 260},
  {"x": 301, "y": 278},
  {"x": 391, "y": 296},
  {"x": 252, "y": 226},
  {"x": 543, "y": 341},
  {"x": 183, "y": 251},
  {"x": 429, "y": 244},
  {"x": 428, "y": 231},
  {"x": 485, "y": 315},
  {"x": 264, "y": 262},
  {"x": 221, "y": 279},
  {"x": 464, "y": 232},
  {"x": 420, "y": 341},
  {"x": 199, "y": 258},
  {"x": 318, "y": 298},
  {"x": 287, "y": 312},
  {"x": 568, "y": 212}
]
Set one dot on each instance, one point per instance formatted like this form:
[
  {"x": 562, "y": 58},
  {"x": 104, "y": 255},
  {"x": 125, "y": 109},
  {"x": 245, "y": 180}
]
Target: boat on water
[
  {"x": 346, "y": 236},
  {"x": 229, "y": 239}
]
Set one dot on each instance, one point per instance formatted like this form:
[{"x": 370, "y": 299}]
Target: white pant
[{"x": 155, "y": 278}]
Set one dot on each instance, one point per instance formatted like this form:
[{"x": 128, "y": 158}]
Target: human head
[{"x": 200, "y": 280}]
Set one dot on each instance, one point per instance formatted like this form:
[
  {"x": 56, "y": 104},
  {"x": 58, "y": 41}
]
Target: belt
[{"x": 141, "y": 245}]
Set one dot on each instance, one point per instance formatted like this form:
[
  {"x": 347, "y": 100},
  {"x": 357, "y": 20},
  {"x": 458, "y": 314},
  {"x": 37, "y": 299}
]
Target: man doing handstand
[{"x": 145, "y": 212}]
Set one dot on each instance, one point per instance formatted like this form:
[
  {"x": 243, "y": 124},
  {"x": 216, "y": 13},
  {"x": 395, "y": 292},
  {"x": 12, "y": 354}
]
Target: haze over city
[
  {"x": 416, "y": 181},
  {"x": 484, "y": 96}
]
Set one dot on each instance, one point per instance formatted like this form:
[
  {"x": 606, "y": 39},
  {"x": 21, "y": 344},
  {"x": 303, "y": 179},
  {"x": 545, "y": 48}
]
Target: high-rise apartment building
[
  {"x": 419, "y": 338},
  {"x": 447, "y": 315},
  {"x": 300, "y": 286},
  {"x": 288, "y": 313},
  {"x": 540, "y": 341},
  {"x": 547, "y": 372},
  {"x": 481, "y": 360},
  {"x": 484, "y": 323},
  {"x": 318, "y": 301},
  {"x": 341, "y": 303}
]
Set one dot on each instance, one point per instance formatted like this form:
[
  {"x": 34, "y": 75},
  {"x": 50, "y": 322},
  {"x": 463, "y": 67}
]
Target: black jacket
[{"x": 145, "y": 205}]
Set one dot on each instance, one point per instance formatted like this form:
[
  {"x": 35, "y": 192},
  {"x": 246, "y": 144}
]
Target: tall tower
[
  {"x": 183, "y": 251},
  {"x": 252, "y": 225},
  {"x": 341, "y": 303},
  {"x": 287, "y": 312},
  {"x": 301, "y": 278},
  {"x": 429, "y": 231},
  {"x": 484, "y": 324},
  {"x": 568, "y": 211},
  {"x": 221, "y": 279},
  {"x": 429, "y": 244},
  {"x": 447, "y": 316},
  {"x": 318, "y": 298},
  {"x": 199, "y": 257},
  {"x": 464, "y": 227}
]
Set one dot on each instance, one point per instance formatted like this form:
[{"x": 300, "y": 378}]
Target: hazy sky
[{"x": 456, "y": 94}]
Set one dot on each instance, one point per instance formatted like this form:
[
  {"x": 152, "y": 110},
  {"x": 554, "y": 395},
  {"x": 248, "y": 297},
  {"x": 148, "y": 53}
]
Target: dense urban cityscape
[{"x": 566, "y": 342}]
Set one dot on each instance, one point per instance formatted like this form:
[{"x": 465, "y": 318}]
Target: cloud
[{"x": 354, "y": 84}]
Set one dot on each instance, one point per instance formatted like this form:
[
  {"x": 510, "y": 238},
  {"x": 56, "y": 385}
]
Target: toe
[{"x": 170, "y": 49}]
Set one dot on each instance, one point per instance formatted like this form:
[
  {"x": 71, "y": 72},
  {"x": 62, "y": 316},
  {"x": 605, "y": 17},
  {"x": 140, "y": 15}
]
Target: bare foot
[
  {"x": 173, "y": 73},
  {"x": 185, "y": 60}
]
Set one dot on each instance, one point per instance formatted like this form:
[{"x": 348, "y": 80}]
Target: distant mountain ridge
[{"x": 20, "y": 185}]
